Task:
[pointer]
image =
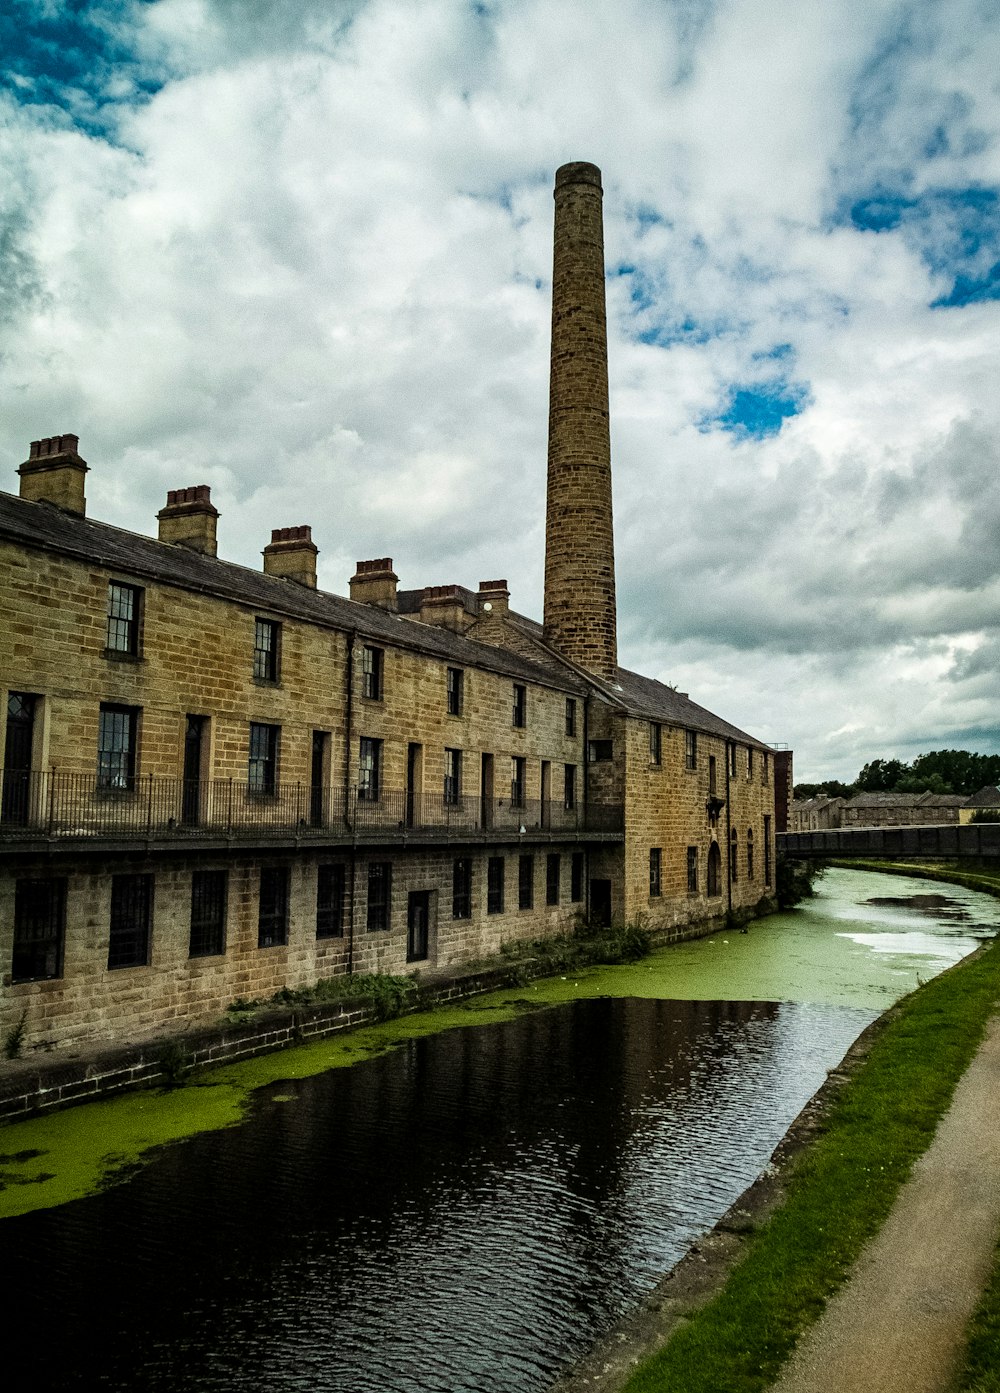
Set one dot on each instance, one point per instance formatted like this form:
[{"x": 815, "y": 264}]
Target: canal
[{"x": 478, "y": 1197}]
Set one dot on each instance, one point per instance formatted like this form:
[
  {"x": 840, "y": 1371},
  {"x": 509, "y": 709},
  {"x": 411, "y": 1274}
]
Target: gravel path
[{"x": 898, "y": 1325}]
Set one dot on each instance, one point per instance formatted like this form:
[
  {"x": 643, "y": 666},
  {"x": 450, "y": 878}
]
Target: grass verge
[
  {"x": 953, "y": 872},
  {"x": 839, "y": 1192},
  {"x": 981, "y": 1373}
]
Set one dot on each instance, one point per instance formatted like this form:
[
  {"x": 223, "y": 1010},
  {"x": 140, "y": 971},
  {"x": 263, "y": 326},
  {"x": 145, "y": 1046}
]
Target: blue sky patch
[{"x": 756, "y": 412}]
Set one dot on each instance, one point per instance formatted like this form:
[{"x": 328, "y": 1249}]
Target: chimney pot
[
  {"x": 291, "y": 554},
  {"x": 54, "y": 473}
]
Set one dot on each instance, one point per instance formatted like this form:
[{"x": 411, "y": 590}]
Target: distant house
[
  {"x": 983, "y": 806},
  {"x": 901, "y": 809},
  {"x": 815, "y": 814}
]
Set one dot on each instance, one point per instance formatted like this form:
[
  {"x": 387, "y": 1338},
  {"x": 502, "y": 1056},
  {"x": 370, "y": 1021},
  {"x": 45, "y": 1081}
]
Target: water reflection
[{"x": 468, "y": 1213}]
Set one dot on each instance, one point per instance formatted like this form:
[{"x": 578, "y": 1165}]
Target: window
[
  {"x": 712, "y": 779},
  {"x": 749, "y": 853},
  {"x": 131, "y": 912},
  {"x": 690, "y": 749},
  {"x": 765, "y": 772},
  {"x": 655, "y": 742},
  {"x": 599, "y": 750},
  {"x": 265, "y": 650},
  {"x": 520, "y": 704},
  {"x": 39, "y": 929},
  {"x": 749, "y": 761},
  {"x": 371, "y": 672},
  {"x": 272, "y": 908},
  {"x": 767, "y": 846},
  {"x": 116, "y": 741},
  {"x": 714, "y": 878},
  {"x": 455, "y": 693},
  {"x": 553, "y": 874},
  {"x": 330, "y": 884},
  {"x": 692, "y": 870},
  {"x": 517, "y": 764},
  {"x": 569, "y": 787},
  {"x": 655, "y": 857},
  {"x": 734, "y": 856},
  {"x": 526, "y": 882},
  {"x": 461, "y": 888},
  {"x": 452, "y": 776},
  {"x": 570, "y": 716},
  {"x": 369, "y": 770},
  {"x": 123, "y": 618},
  {"x": 494, "y": 885},
  {"x": 262, "y": 769},
  {"x": 732, "y": 760},
  {"x": 208, "y": 914},
  {"x": 576, "y": 877},
  {"x": 379, "y": 895}
]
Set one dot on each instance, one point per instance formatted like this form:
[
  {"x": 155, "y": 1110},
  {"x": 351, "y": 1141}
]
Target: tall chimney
[
  {"x": 54, "y": 473},
  {"x": 291, "y": 553},
  {"x": 190, "y": 519},
  {"x": 580, "y": 616}
]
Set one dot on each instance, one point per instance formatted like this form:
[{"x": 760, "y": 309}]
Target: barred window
[
  {"x": 749, "y": 853},
  {"x": 369, "y": 769},
  {"x": 517, "y": 767},
  {"x": 262, "y": 769},
  {"x": 452, "y": 776},
  {"x": 455, "y": 693},
  {"x": 576, "y": 877},
  {"x": 692, "y": 870},
  {"x": 39, "y": 929},
  {"x": 494, "y": 885},
  {"x": 265, "y": 649},
  {"x": 690, "y": 749},
  {"x": 461, "y": 888},
  {"x": 765, "y": 772},
  {"x": 569, "y": 787},
  {"x": 208, "y": 914},
  {"x": 570, "y": 716},
  {"x": 131, "y": 915},
  {"x": 655, "y": 742},
  {"x": 553, "y": 875},
  {"x": 330, "y": 888},
  {"x": 526, "y": 882},
  {"x": 116, "y": 742},
  {"x": 379, "y": 895},
  {"x": 272, "y": 907},
  {"x": 520, "y": 705},
  {"x": 123, "y": 617},
  {"x": 732, "y": 760},
  {"x": 749, "y": 761},
  {"x": 654, "y": 870},
  {"x": 371, "y": 672},
  {"x": 712, "y": 776}
]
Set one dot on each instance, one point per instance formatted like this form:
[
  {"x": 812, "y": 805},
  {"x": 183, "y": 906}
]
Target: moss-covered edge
[{"x": 839, "y": 1193}]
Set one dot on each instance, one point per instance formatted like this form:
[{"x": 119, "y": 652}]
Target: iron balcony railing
[{"x": 56, "y": 804}]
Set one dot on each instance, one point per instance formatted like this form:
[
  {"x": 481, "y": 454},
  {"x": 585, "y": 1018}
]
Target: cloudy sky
[{"x": 302, "y": 252}]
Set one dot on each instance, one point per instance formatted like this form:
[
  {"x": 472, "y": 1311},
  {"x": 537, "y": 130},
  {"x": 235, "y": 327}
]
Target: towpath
[{"x": 898, "y": 1324}]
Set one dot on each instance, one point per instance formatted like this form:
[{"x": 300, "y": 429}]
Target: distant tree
[
  {"x": 880, "y": 775},
  {"x": 961, "y": 771},
  {"x": 923, "y": 783},
  {"x": 831, "y": 788}
]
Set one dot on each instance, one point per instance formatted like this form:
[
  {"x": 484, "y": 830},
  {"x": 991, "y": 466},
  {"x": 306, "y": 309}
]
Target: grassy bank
[
  {"x": 839, "y": 1193},
  {"x": 985, "y": 880}
]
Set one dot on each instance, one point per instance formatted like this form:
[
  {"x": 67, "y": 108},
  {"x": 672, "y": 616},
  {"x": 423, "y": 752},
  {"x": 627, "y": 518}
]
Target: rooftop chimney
[
  {"x": 494, "y": 598},
  {"x": 444, "y": 606},
  {"x": 190, "y": 519},
  {"x": 580, "y": 616},
  {"x": 291, "y": 553},
  {"x": 53, "y": 473},
  {"x": 374, "y": 583}
]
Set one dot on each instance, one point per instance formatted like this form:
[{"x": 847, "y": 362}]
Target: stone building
[{"x": 220, "y": 782}]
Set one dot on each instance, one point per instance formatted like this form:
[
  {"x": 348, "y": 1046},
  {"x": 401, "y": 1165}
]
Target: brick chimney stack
[
  {"x": 375, "y": 582},
  {"x": 54, "y": 473},
  {"x": 291, "y": 554},
  {"x": 580, "y": 614},
  {"x": 190, "y": 519}
]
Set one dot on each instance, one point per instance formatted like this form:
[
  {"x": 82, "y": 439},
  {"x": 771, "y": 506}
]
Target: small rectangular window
[
  {"x": 654, "y": 870},
  {"x": 690, "y": 749},
  {"x": 379, "y": 895},
  {"x": 692, "y": 870},
  {"x": 520, "y": 704},
  {"x": 266, "y": 634},
  {"x": 369, "y": 769},
  {"x": 371, "y": 672},
  {"x": 569, "y": 787},
  {"x": 712, "y": 780},
  {"x": 732, "y": 760},
  {"x": 553, "y": 875},
  {"x": 767, "y": 849},
  {"x": 526, "y": 882},
  {"x": 494, "y": 885},
  {"x": 262, "y": 766},
  {"x": 570, "y": 716},
  {"x": 455, "y": 692},
  {"x": 461, "y": 888},
  {"x": 749, "y": 761},
  {"x": 600, "y": 750},
  {"x": 208, "y": 914},
  {"x": 749, "y": 853},
  {"x": 116, "y": 746},
  {"x": 765, "y": 770},
  {"x": 131, "y": 913},
  {"x": 330, "y": 887},
  {"x": 272, "y": 907},
  {"x": 655, "y": 742},
  {"x": 124, "y": 602},
  {"x": 576, "y": 877},
  {"x": 452, "y": 777},
  {"x": 39, "y": 929},
  {"x": 517, "y": 767}
]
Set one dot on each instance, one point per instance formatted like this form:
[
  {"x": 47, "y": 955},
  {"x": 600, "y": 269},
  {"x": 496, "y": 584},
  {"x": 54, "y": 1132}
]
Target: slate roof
[
  {"x": 988, "y": 797},
  {"x": 48, "y": 528}
]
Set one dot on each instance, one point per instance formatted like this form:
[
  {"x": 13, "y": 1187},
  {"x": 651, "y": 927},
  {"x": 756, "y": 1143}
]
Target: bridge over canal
[{"x": 973, "y": 839}]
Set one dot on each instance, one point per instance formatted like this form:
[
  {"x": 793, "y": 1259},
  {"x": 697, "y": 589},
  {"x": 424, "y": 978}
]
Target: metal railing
[{"x": 56, "y": 804}]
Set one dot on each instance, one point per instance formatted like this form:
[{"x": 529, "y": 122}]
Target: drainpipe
[{"x": 729, "y": 830}]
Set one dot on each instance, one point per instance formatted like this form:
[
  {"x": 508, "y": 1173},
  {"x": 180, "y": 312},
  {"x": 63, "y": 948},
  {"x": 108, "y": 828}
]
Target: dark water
[{"x": 469, "y": 1212}]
